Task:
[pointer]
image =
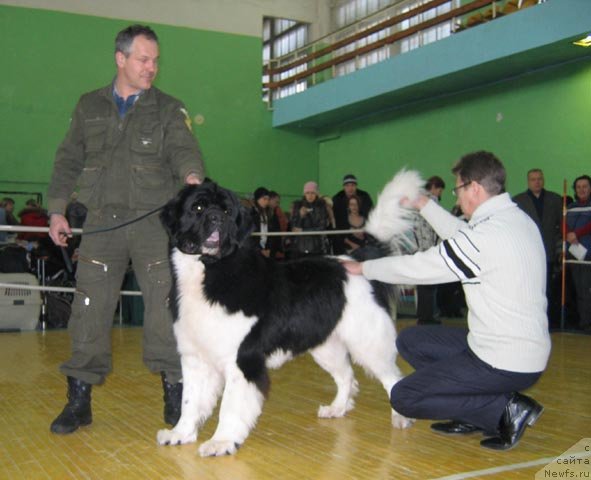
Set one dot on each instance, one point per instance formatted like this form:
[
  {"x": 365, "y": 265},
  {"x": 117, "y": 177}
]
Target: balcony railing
[{"x": 394, "y": 30}]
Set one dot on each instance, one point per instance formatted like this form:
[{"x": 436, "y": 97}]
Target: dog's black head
[{"x": 206, "y": 220}]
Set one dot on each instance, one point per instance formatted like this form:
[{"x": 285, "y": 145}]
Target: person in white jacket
[{"x": 472, "y": 377}]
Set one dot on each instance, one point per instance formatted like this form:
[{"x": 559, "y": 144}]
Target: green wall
[
  {"x": 537, "y": 120},
  {"x": 49, "y": 59}
]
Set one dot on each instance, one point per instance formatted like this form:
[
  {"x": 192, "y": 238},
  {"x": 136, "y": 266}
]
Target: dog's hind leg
[
  {"x": 375, "y": 351},
  {"x": 202, "y": 385},
  {"x": 242, "y": 403},
  {"x": 333, "y": 357}
]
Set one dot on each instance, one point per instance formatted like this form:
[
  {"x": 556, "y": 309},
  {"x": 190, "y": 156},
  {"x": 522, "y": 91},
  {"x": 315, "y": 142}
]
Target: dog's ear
[{"x": 169, "y": 216}]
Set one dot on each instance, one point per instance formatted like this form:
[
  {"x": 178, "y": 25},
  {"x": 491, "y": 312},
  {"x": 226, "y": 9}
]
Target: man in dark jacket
[
  {"x": 341, "y": 209},
  {"x": 128, "y": 149},
  {"x": 545, "y": 209}
]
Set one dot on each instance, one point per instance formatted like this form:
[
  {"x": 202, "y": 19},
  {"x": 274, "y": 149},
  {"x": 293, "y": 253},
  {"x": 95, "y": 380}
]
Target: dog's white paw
[
  {"x": 398, "y": 421},
  {"x": 171, "y": 437},
  {"x": 330, "y": 411},
  {"x": 217, "y": 448}
]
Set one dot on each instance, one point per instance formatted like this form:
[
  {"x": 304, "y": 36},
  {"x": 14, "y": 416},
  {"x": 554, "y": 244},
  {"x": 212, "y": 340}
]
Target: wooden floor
[{"x": 289, "y": 442}]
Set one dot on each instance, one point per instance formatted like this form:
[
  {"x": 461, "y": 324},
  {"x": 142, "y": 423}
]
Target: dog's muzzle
[{"x": 211, "y": 246}]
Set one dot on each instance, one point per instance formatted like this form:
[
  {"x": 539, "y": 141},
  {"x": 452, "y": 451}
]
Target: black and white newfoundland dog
[{"x": 238, "y": 313}]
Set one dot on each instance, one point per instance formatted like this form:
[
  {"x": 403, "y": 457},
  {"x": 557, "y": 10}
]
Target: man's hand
[
  {"x": 571, "y": 237},
  {"x": 192, "y": 179},
  {"x": 354, "y": 268},
  {"x": 418, "y": 203},
  {"x": 59, "y": 230}
]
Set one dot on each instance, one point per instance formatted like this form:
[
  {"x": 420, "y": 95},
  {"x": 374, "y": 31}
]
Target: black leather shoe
[
  {"x": 173, "y": 397},
  {"x": 455, "y": 427},
  {"x": 77, "y": 411},
  {"x": 520, "y": 412}
]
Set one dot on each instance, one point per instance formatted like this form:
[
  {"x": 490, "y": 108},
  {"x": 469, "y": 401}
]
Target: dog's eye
[
  {"x": 228, "y": 211},
  {"x": 198, "y": 207}
]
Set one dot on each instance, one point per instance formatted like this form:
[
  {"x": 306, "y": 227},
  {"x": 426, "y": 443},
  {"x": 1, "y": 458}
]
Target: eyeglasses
[{"x": 454, "y": 191}]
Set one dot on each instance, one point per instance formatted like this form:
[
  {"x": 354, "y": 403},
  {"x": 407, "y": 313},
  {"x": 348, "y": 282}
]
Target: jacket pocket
[
  {"x": 147, "y": 139},
  {"x": 95, "y": 134},
  {"x": 153, "y": 185},
  {"x": 89, "y": 185}
]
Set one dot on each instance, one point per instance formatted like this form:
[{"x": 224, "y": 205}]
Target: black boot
[
  {"x": 521, "y": 412},
  {"x": 173, "y": 397},
  {"x": 77, "y": 411}
]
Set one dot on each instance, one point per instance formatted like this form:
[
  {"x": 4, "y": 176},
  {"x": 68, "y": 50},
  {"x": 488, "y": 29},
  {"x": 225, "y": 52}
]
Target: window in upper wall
[
  {"x": 428, "y": 35},
  {"x": 283, "y": 38},
  {"x": 348, "y": 12}
]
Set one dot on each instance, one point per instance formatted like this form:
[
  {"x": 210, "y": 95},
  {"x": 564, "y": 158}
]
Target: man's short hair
[
  {"x": 126, "y": 36},
  {"x": 535, "y": 170},
  {"x": 484, "y": 168},
  {"x": 434, "y": 182}
]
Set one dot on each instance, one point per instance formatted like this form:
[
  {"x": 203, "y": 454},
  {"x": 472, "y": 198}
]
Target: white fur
[
  {"x": 208, "y": 339},
  {"x": 389, "y": 219}
]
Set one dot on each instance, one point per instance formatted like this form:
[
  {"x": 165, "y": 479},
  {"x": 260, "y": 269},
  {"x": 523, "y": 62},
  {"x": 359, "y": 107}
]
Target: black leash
[
  {"x": 67, "y": 260},
  {"x": 121, "y": 225},
  {"x": 124, "y": 224}
]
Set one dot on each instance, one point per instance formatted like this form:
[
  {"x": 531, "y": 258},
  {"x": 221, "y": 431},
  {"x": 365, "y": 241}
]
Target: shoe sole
[
  {"x": 457, "y": 434},
  {"x": 530, "y": 422},
  {"x": 67, "y": 431},
  {"x": 534, "y": 415}
]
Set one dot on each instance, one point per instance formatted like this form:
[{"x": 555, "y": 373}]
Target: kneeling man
[{"x": 472, "y": 378}]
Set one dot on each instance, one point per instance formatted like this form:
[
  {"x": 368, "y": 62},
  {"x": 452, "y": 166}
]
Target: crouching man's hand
[{"x": 354, "y": 268}]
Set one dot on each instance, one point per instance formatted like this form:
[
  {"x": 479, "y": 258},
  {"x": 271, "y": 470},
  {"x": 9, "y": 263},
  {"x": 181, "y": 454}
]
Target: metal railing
[{"x": 319, "y": 61}]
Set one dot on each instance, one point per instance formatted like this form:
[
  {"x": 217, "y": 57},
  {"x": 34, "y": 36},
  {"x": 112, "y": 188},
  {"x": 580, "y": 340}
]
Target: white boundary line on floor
[{"x": 512, "y": 467}]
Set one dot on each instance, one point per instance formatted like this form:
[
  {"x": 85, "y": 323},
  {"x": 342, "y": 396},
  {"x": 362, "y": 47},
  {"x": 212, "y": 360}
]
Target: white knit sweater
[{"x": 499, "y": 258}]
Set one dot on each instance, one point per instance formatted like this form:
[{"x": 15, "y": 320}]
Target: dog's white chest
[{"x": 203, "y": 328}]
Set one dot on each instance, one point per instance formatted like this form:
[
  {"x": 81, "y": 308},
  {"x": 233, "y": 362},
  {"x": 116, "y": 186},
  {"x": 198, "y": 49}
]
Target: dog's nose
[{"x": 215, "y": 217}]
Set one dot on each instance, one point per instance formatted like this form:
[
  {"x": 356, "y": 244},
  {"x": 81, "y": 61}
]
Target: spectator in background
[
  {"x": 426, "y": 238},
  {"x": 309, "y": 214},
  {"x": 545, "y": 209},
  {"x": 260, "y": 215},
  {"x": 8, "y": 205},
  {"x": 2, "y": 222},
  {"x": 33, "y": 216},
  {"x": 356, "y": 221},
  {"x": 277, "y": 223},
  {"x": 340, "y": 205},
  {"x": 578, "y": 220}
]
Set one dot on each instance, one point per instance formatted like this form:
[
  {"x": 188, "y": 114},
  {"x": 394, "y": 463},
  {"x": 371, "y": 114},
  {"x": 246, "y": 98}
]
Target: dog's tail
[
  {"x": 391, "y": 225},
  {"x": 389, "y": 221}
]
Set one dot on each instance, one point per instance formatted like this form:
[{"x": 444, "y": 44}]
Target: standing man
[
  {"x": 545, "y": 209},
  {"x": 473, "y": 377},
  {"x": 578, "y": 220},
  {"x": 426, "y": 238},
  {"x": 129, "y": 148},
  {"x": 340, "y": 206}
]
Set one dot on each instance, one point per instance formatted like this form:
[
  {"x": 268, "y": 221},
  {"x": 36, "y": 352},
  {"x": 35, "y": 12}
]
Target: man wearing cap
[{"x": 340, "y": 208}]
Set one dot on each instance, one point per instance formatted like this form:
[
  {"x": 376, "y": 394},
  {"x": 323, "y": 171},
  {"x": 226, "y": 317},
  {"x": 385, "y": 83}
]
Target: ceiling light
[{"x": 584, "y": 42}]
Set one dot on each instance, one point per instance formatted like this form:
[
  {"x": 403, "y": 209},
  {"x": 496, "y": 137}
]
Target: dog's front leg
[
  {"x": 242, "y": 403},
  {"x": 201, "y": 388}
]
